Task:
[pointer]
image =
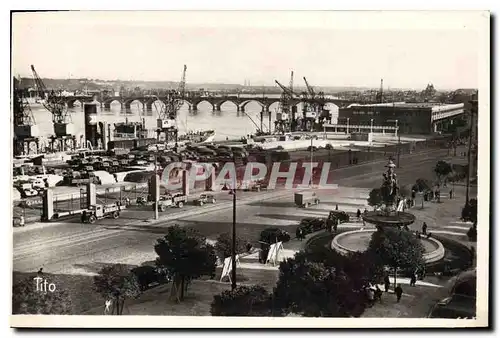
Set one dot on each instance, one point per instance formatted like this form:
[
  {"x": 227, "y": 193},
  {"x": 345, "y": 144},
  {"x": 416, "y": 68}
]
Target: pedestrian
[
  {"x": 424, "y": 228},
  {"x": 358, "y": 214},
  {"x": 298, "y": 234},
  {"x": 378, "y": 293},
  {"x": 366, "y": 211},
  {"x": 387, "y": 283},
  {"x": 107, "y": 305},
  {"x": 335, "y": 224},
  {"x": 413, "y": 279},
  {"x": 399, "y": 292},
  {"x": 336, "y": 207},
  {"x": 21, "y": 221},
  {"x": 127, "y": 200},
  {"x": 451, "y": 194},
  {"x": 429, "y": 235},
  {"x": 40, "y": 272}
]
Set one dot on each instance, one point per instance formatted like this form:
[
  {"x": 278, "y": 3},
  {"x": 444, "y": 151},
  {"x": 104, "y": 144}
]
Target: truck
[
  {"x": 305, "y": 199},
  {"x": 205, "y": 198},
  {"x": 170, "y": 201},
  {"x": 99, "y": 211}
]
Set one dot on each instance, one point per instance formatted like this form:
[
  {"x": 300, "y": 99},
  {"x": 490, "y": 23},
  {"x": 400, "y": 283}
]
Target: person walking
[
  {"x": 413, "y": 279},
  {"x": 399, "y": 292},
  {"x": 387, "y": 283},
  {"x": 21, "y": 221},
  {"x": 451, "y": 194},
  {"x": 358, "y": 214},
  {"x": 336, "y": 207},
  {"x": 335, "y": 224},
  {"x": 378, "y": 293},
  {"x": 424, "y": 228},
  {"x": 298, "y": 234}
]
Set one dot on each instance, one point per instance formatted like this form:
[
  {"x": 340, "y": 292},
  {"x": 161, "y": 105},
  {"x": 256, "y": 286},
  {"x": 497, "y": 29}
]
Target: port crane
[
  {"x": 167, "y": 116},
  {"x": 63, "y": 138},
  {"x": 285, "y": 118},
  {"x": 26, "y": 141},
  {"x": 313, "y": 105}
]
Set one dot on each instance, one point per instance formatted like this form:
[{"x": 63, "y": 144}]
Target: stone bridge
[{"x": 216, "y": 102}]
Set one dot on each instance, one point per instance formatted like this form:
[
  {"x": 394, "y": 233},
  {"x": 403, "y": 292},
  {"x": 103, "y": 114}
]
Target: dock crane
[
  {"x": 313, "y": 105},
  {"x": 167, "y": 123},
  {"x": 285, "y": 118},
  {"x": 63, "y": 138},
  {"x": 26, "y": 141}
]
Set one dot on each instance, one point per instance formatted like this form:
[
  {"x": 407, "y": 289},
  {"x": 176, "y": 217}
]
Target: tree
[
  {"x": 315, "y": 290},
  {"x": 27, "y": 300},
  {"x": 116, "y": 282},
  {"x": 243, "y": 301},
  {"x": 186, "y": 255},
  {"x": 442, "y": 169},
  {"x": 223, "y": 246},
  {"x": 375, "y": 198},
  {"x": 422, "y": 185},
  {"x": 397, "y": 249}
]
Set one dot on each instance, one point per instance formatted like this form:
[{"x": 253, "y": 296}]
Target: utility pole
[
  {"x": 399, "y": 147},
  {"x": 157, "y": 190},
  {"x": 473, "y": 111},
  {"x": 311, "y": 161},
  {"x": 233, "y": 246}
]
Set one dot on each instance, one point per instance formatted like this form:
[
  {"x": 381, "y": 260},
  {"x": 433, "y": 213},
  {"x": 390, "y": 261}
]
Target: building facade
[{"x": 410, "y": 118}]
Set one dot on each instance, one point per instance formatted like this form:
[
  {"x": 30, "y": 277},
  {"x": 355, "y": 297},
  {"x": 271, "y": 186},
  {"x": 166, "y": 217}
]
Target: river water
[{"x": 227, "y": 123}]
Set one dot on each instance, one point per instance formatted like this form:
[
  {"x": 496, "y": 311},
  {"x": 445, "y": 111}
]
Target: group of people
[{"x": 374, "y": 293}]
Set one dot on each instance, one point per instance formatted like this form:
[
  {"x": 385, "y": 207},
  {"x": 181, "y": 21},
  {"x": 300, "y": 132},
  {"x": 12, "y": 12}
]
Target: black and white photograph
[{"x": 246, "y": 168}]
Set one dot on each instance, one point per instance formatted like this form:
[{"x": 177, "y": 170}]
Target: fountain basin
[
  {"x": 394, "y": 219},
  {"x": 358, "y": 240}
]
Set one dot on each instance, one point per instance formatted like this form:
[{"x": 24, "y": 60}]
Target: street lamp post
[
  {"x": 233, "y": 246},
  {"x": 347, "y": 125},
  {"x": 371, "y": 125},
  {"x": 311, "y": 160},
  {"x": 473, "y": 110},
  {"x": 156, "y": 185}
]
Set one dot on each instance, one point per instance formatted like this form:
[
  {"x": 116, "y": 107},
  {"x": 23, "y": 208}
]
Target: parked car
[
  {"x": 204, "y": 199},
  {"x": 342, "y": 216},
  {"x": 273, "y": 235},
  {"x": 311, "y": 224}
]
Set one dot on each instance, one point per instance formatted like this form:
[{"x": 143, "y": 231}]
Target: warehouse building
[{"x": 407, "y": 118}]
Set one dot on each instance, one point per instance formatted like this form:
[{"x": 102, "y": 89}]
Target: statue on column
[{"x": 390, "y": 187}]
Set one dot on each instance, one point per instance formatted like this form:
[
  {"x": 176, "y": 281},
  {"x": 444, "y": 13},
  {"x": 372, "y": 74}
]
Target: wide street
[{"x": 74, "y": 248}]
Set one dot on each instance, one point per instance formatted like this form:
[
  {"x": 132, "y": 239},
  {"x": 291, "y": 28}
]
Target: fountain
[{"x": 388, "y": 216}]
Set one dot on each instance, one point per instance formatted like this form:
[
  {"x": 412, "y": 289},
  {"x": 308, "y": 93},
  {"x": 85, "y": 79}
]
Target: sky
[{"x": 231, "y": 47}]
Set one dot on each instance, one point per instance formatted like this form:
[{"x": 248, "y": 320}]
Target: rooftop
[{"x": 407, "y": 105}]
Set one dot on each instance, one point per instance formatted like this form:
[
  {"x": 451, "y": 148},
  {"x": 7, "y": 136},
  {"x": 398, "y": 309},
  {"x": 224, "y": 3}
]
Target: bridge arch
[
  {"x": 244, "y": 103},
  {"x": 128, "y": 102},
  {"x": 71, "y": 102},
  {"x": 107, "y": 103},
  {"x": 203, "y": 100},
  {"x": 220, "y": 103}
]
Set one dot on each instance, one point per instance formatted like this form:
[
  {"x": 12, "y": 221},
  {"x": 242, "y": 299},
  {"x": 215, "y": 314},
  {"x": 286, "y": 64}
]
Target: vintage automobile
[{"x": 204, "y": 199}]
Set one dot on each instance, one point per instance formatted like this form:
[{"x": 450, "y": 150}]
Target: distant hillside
[{"x": 116, "y": 85}]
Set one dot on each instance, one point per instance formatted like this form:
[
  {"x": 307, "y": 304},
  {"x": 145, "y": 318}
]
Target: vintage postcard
[{"x": 190, "y": 169}]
